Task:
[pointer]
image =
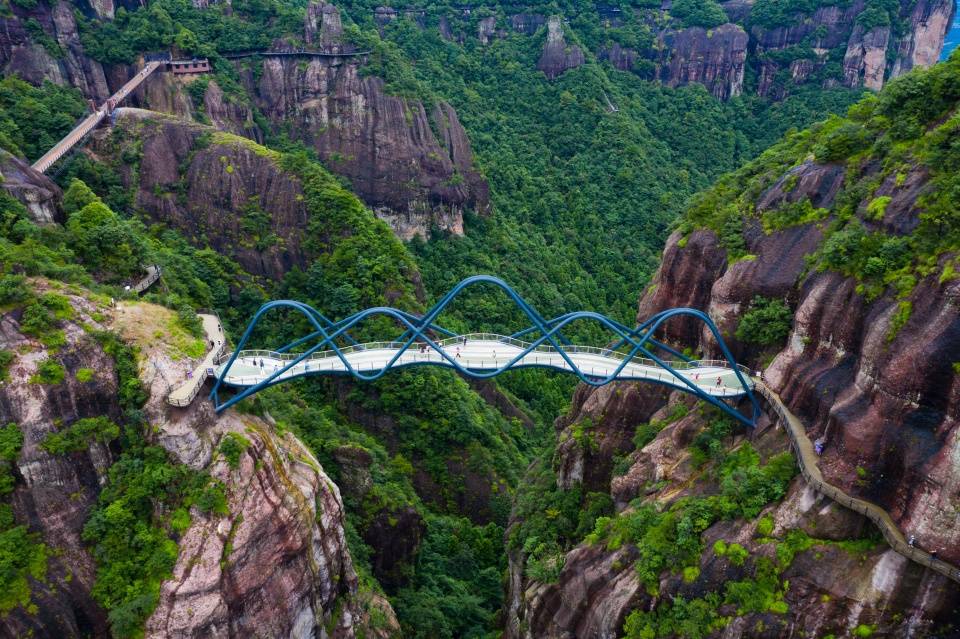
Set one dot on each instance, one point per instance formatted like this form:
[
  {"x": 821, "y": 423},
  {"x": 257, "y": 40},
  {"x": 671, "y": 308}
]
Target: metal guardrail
[
  {"x": 803, "y": 449},
  {"x": 153, "y": 274},
  {"x": 196, "y": 383},
  {"x": 329, "y": 361}
]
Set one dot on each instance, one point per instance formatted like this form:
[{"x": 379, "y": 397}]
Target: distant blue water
[{"x": 953, "y": 36}]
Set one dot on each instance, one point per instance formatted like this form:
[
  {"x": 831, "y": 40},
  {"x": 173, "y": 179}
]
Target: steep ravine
[{"x": 865, "y": 360}]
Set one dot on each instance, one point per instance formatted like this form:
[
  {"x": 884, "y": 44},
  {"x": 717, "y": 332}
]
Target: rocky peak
[
  {"x": 558, "y": 56},
  {"x": 414, "y": 169},
  {"x": 323, "y": 28}
]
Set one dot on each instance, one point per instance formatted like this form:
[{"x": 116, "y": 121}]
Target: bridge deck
[
  {"x": 90, "y": 122},
  {"x": 480, "y": 355}
]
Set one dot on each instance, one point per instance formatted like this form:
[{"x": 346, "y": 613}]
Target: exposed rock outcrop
[
  {"x": 831, "y": 590},
  {"x": 22, "y": 54},
  {"x": 54, "y": 494},
  {"x": 715, "y": 59},
  {"x": 37, "y": 192},
  {"x": 277, "y": 565},
  {"x": 557, "y": 56},
  {"x": 865, "y": 62},
  {"x": 411, "y": 176}
]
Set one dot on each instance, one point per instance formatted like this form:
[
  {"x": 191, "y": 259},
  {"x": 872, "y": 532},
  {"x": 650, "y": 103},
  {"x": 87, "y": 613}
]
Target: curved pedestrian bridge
[
  {"x": 484, "y": 353},
  {"x": 327, "y": 348}
]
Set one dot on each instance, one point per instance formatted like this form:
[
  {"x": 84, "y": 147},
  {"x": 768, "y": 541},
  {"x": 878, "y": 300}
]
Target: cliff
[
  {"x": 766, "y": 46},
  {"x": 273, "y": 562},
  {"x": 53, "y": 494},
  {"x": 53, "y": 52},
  {"x": 241, "y": 199},
  {"x": 557, "y": 56},
  {"x": 857, "y": 249},
  {"x": 34, "y": 190}
]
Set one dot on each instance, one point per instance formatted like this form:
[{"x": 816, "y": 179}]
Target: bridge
[
  {"x": 329, "y": 349},
  {"x": 90, "y": 122}
]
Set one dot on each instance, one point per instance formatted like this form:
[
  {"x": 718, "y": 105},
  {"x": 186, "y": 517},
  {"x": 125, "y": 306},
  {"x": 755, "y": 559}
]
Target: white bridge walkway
[{"x": 482, "y": 353}]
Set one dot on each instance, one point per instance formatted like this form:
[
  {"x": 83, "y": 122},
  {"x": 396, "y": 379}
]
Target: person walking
[{"x": 458, "y": 352}]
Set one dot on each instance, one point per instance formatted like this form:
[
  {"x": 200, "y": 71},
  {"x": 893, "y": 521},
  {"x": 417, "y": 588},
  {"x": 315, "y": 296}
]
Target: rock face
[
  {"x": 37, "y": 192},
  {"x": 557, "y": 56},
  {"x": 414, "y": 168},
  {"x": 277, "y": 565},
  {"x": 865, "y": 62},
  {"x": 54, "y": 494},
  {"x": 223, "y": 181},
  {"x": 714, "y": 59},
  {"x": 21, "y": 54},
  {"x": 831, "y": 590},
  {"x": 212, "y": 184}
]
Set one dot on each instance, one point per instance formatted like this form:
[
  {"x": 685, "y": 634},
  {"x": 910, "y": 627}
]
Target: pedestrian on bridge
[{"x": 458, "y": 352}]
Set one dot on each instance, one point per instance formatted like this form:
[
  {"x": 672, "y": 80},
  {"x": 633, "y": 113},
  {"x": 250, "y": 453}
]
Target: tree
[
  {"x": 699, "y": 13},
  {"x": 767, "y": 323}
]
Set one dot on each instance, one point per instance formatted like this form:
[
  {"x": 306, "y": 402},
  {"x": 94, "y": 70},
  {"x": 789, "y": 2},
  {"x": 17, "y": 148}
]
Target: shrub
[
  {"x": 766, "y": 323},
  {"x": 49, "y": 371},
  {"x": 13, "y": 289},
  {"x": 84, "y": 375},
  {"x": 232, "y": 446},
  {"x": 6, "y": 358},
  {"x": 698, "y": 13},
  {"x": 765, "y": 526},
  {"x": 79, "y": 435}
]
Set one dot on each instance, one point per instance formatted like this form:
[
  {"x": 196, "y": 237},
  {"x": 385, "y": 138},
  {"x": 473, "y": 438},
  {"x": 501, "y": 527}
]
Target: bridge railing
[{"x": 501, "y": 339}]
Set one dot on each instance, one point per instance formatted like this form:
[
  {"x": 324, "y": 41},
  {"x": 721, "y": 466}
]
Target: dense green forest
[{"x": 588, "y": 174}]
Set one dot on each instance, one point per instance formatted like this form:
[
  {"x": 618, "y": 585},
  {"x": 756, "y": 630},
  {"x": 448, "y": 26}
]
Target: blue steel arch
[{"x": 417, "y": 329}]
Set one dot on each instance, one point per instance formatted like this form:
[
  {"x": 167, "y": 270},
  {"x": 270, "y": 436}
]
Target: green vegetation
[
  {"x": 582, "y": 197},
  {"x": 49, "y": 371},
  {"x": 6, "y": 358},
  {"x": 79, "y": 435},
  {"x": 698, "y": 13},
  {"x": 232, "y": 446},
  {"x": 670, "y": 539},
  {"x": 913, "y": 122},
  {"x": 33, "y": 119},
  {"x": 22, "y": 555},
  {"x": 765, "y": 323}
]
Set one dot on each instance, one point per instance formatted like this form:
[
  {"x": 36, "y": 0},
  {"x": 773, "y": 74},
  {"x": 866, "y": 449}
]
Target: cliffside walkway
[
  {"x": 303, "y": 53},
  {"x": 808, "y": 461},
  {"x": 185, "y": 393},
  {"x": 329, "y": 349},
  {"x": 90, "y": 122},
  {"x": 153, "y": 275}
]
